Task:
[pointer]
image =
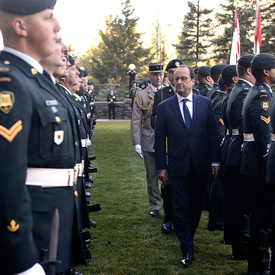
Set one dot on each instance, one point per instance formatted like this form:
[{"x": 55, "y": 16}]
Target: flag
[
  {"x": 235, "y": 47},
  {"x": 258, "y": 32}
]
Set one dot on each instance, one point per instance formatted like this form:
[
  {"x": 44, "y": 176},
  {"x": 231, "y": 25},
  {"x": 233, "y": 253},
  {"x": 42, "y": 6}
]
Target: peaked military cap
[
  {"x": 263, "y": 61},
  {"x": 204, "y": 70},
  {"x": 173, "y": 64},
  {"x": 26, "y": 7},
  {"x": 245, "y": 60},
  {"x": 156, "y": 67},
  {"x": 229, "y": 71},
  {"x": 217, "y": 69}
]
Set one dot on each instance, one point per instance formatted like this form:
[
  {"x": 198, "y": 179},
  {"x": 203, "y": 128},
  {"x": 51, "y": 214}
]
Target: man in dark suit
[{"x": 186, "y": 122}]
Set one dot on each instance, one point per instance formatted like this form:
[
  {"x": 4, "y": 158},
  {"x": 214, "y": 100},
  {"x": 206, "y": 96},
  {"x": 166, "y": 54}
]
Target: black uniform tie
[{"x": 187, "y": 116}]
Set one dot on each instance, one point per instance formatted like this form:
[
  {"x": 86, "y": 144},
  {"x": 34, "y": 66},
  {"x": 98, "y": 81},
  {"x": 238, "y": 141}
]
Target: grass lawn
[{"x": 127, "y": 240}]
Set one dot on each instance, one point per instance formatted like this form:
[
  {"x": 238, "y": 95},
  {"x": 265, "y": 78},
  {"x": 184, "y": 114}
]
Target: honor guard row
[{"x": 44, "y": 141}]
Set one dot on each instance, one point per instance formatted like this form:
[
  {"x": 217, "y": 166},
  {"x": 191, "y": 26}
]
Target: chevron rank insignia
[
  {"x": 266, "y": 120},
  {"x": 263, "y": 95},
  {"x": 6, "y": 101},
  {"x": 221, "y": 121},
  {"x": 10, "y": 134},
  {"x": 265, "y": 105},
  {"x": 12, "y": 227}
]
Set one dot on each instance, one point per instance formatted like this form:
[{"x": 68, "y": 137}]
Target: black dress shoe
[
  {"x": 154, "y": 213},
  {"x": 88, "y": 185},
  {"x": 166, "y": 227},
  {"x": 186, "y": 259},
  {"x": 252, "y": 272}
]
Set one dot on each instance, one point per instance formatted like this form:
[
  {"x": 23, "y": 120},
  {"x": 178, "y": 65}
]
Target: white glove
[
  {"x": 88, "y": 142},
  {"x": 37, "y": 269},
  {"x": 138, "y": 150}
]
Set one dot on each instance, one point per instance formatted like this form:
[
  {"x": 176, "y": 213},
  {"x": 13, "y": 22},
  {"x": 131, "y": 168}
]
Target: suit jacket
[
  {"x": 198, "y": 145},
  {"x": 142, "y": 132},
  {"x": 160, "y": 95},
  {"x": 35, "y": 132}
]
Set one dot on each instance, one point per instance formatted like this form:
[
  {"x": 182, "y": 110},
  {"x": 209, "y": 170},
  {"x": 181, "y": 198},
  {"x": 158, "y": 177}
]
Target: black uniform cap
[
  {"x": 90, "y": 83},
  {"x": 173, "y": 64},
  {"x": 229, "y": 71},
  {"x": 245, "y": 60},
  {"x": 26, "y": 7},
  {"x": 217, "y": 69},
  {"x": 204, "y": 70},
  {"x": 263, "y": 61},
  {"x": 196, "y": 70}
]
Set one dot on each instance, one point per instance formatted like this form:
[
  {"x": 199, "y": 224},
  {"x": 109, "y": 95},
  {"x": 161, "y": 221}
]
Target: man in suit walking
[{"x": 186, "y": 123}]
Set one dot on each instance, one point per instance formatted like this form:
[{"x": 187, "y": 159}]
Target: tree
[
  {"x": 268, "y": 27},
  {"x": 119, "y": 47},
  {"x": 194, "y": 39},
  {"x": 158, "y": 44}
]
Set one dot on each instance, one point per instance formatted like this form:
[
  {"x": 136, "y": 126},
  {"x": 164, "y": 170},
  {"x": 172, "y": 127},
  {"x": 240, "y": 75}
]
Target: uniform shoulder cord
[{"x": 149, "y": 102}]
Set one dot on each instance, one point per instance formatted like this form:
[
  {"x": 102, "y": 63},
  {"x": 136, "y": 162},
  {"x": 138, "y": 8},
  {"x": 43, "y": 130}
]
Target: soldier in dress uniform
[
  {"x": 36, "y": 141},
  {"x": 239, "y": 202},
  {"x": 257, "y": 138},
  {"x": 143, "y": 134},
  {"x": 111, "y": 99},
  {"x": 215, "y": 73},
  {"x": 229, "y": 77},
  {"x": 205, "y": 80},
  {"x": 162, "y": 94}
]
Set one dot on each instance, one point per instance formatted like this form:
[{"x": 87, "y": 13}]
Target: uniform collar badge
[{"x": 6, "y": 101}]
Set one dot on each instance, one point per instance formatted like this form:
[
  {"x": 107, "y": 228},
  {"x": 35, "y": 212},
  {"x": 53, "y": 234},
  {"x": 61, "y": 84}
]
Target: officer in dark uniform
[
  {"x": 111, "y": 99},
  {"x": 229, "y": 76},
  {"x": 240, "y": 203},
  {"x": 215, "y": 73},
  {"x": 257, "y": 138},
  {"x": 36, "y": 141},
  {"x": 205, "y": 80},
  {"x": 162, "y": 94}
]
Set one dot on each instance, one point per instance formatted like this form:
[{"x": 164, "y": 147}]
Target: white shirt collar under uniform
[{"x": 32, "y": 62}]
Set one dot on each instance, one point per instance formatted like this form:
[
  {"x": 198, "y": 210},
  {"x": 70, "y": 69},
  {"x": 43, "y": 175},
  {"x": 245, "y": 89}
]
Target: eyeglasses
[{"x": 183, "y": 79}]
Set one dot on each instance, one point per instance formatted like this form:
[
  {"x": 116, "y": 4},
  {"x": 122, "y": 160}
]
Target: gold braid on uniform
[{"x": 150, "y": 101}]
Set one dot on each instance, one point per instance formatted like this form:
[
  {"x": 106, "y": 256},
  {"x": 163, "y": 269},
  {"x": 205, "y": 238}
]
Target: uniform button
[
  {"x": 76, "y": 143},
  {"x": 57, "y": 118},
  {"x": 6, "y": 62},
  {"x": 75, "y": 193}
]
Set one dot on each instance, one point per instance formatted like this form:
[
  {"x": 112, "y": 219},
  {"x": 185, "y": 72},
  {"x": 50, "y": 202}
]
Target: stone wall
[{"x": 123, "y": 109}]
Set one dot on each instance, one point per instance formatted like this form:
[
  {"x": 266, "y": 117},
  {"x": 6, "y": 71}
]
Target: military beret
[
  {"x": 90, "y": 83},
  {"x": 71, "y": 60},
  {"x": 156, "y": 67},
  {"x": 26, "y": 7},
  {"x": 217, "y": 69},
  {"x": 146, "y": 80},
  {"x": 263, "y": 61},
  {"x": 173, "y": 64},
  {"x": 133, "y": 81},
  {"x": 204, "y": 70},
  {"x": 245, "y": 60},
  {"x": 81, "y": 72},
  {"x": 229, "y": 71},
  {"x": 196, "y": 70},
  {"x": 85, "y": 73}
]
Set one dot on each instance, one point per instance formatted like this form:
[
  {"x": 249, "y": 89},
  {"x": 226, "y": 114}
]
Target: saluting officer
[
  {"x": 257, "y": 137},
  {"x": 36, "y": 143}
]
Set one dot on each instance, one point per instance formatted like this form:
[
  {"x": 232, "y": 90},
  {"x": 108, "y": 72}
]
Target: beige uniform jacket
[{"x": 142, "y": 132}]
